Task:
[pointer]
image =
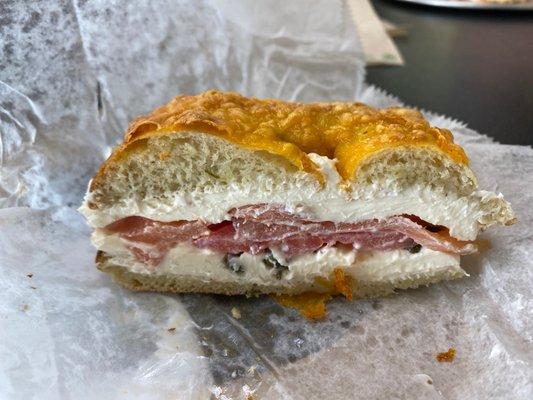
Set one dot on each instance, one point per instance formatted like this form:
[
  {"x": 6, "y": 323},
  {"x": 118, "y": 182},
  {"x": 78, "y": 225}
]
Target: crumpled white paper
[{"x": 72, "y": 74}]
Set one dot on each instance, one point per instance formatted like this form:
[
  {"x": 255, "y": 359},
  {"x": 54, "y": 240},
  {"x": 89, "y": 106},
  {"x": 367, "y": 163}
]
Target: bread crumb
[
  {"x": 29, "y": 275},
  {"x": 25, "y": 307},
  {"x": 236, "y": 313},
  {"x": 251, "y": 370},
  {"x": 164, "y": 155},
  {"x": 447, "y": 356}
]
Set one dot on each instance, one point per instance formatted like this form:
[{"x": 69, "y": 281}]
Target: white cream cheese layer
[
  {"x": 464, "y": 216},
  {"x": 365, "y": 266}
]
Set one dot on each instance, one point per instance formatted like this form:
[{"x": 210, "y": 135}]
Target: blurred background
[{"x": 473, "y": 64}]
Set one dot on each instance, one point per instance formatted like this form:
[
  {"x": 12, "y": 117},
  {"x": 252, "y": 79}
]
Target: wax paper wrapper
[{"x": 72, "y": 74}]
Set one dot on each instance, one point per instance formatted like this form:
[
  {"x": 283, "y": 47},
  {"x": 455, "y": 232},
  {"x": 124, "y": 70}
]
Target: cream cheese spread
[
  {"x": 365, "y": 266},
  {"x": 464, "y": 216}
]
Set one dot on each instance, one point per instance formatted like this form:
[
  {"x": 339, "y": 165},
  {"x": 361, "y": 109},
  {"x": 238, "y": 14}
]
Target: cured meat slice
[
  {"x": 439, "y": 241},
  {"x": 222, "y": 239},
  {"x": 150, "y": 240},
  {"x": 256, "y": 228},
  {"x": 273, "y": 224},
  {"x": 145, "y": 230}
]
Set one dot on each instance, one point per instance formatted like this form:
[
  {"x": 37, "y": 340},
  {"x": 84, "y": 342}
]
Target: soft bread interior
[
  {"x": 405, "y": 167},
  {"x": 187, "y": 162},
  {"x": 184, "y": 162},
  {"x": 190, "y": 175}
]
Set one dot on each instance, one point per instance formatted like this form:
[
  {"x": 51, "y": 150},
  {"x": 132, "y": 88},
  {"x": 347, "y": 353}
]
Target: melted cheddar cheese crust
[{"x": 349, "y": 132}]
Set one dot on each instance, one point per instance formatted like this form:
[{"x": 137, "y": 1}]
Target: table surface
[{"x": 475, "y": 66}]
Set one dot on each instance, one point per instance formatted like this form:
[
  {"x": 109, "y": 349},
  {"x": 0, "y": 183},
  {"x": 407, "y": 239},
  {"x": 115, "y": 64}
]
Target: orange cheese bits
[
  {"x": 311, "y": 305},
  {"x": 342, "y": 283},
  {"x": 447, "y": 356}
]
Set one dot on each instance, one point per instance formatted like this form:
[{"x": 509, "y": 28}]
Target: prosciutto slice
[
  {"x": 150, "y": 240},
  {"x": 270, "y": 223},
  {"x": 256, "y": 228}
]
